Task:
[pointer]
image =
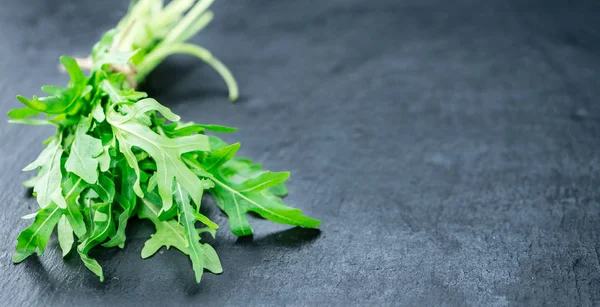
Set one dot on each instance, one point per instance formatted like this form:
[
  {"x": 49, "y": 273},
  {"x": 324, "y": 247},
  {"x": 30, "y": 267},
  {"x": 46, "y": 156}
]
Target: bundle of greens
[{"x": 118, "y": 154}]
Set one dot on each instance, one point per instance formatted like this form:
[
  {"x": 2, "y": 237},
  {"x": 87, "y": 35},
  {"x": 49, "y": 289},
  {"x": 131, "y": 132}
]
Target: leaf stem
[{"x": 157, "y": 56}]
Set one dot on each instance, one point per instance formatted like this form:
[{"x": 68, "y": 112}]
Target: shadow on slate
[
  {"x": 163, "y": 81},
  {"x": 292, "y": 238}
]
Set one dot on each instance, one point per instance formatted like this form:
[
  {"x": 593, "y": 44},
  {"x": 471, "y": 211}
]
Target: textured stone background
[{"x": 451, "y": 149}]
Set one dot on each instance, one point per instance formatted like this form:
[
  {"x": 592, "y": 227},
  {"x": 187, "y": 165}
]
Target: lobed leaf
[
  {"x": 38, "y": 234},
  {"x": 168, "y": 233},
  {"x": 165, "y": 151},
  {"x": 49, "y": 175},
  {"x": 83, "y": 158},
  {"x": 127, "y": 200},
  {"x": 251, "y": 195},
  {"x": 182, "y": 235}
]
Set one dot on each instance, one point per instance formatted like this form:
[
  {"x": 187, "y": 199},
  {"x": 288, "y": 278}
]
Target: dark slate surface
[{"x": 450, "y": 149}]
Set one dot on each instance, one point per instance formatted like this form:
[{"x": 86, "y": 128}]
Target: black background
[{"x": 450, "y": 148}]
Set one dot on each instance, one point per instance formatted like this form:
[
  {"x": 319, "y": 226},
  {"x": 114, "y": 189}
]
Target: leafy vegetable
[{"x": 118, "y": 154}]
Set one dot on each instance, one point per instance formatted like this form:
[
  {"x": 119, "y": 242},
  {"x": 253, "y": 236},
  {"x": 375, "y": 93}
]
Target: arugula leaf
[
  {"x": 165, "y": 151},
  {"x": 114, "y": 58},
  {"x": 49, "y": 176},
  {"x": 104, "y": 158},
  {"x": 182, "y": 129},
  {"x": 127, "y": 200},
  {"x": 103, "y": 226},
  {"x": 123, "y": 95},
  {"x": 29, "y": 216},
  {"x": 65, "y": 235},
  {"x": 236, "y": 203},
  {"x": 168, "y": 233},
  {"x": 172, "y": 233},
  {"x": 92, "y": 264},
  {"x": 30, "y": 183},
  {"x": 205, "y": 220},
  {"x": 236, "y": 199},
  {"x": 62, "y": 100},
  {"x": 82, "y": 160},
  {"x": 72, "y": 189},
  {"x": 98, "y": 111},
  {"x": 105, "y": 189},
  {"x": 38, "y": 234},
  {"x": 187, "y": 219},
  {"x": 22, "y": 113}
]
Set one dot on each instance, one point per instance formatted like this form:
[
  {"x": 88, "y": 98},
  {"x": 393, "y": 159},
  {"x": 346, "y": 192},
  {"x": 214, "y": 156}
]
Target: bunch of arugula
[{"x": 118, "y": 154}]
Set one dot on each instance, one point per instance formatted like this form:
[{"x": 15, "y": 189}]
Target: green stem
[
  {"x": 187, "y": 22},
  {"x": 157, "y": 55}
]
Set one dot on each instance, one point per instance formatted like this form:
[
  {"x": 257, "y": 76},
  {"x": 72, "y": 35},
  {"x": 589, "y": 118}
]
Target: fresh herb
[{"x": 117, "y": 154}]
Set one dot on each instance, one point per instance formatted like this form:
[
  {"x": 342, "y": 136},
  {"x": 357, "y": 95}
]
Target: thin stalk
[{"x": 157, "y": 56}]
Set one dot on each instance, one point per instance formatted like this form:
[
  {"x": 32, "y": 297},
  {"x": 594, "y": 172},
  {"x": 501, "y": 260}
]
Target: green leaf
[
  {"x": 171, "y": 233},
  {"x": 29, "y": 216},
  {"x": 236, "y": 199},
  {"x": 179, "y": 129},
  {"x": 212, "y": 232},
  {"x": 279, "y": 190},
  {"x": 219, "y": 156},
  {"x": 187, "y": 219},
  {"x": 49, "y": 175},
  {"x": 118, "y": 238},
  {"x": 38, "y": 234},
  {"x": 216, "y": 143},
  {"x": 82, "y": 160},
  {"x": 211, "y": 259},
  {"x": 103, "y": 226},
  {"x": 105, "y": 188},
  {"x": 31, "y": 122},
  {"x": 22, "y": 113},
  {"x": 183, "y": 129},
  {"x": 205, "y": 220},
  {"x": 65, "y": 235},
  {"x": 92, "y": 265},
  {"x": 62, "y": 100},
  {"x": 152, "y": 183},
  {"x": 165, "y": 151},
  {"x": 98, "y": 112},
  {"x": 116, "y": 58},
  {"x": 264, "y": 181},
  {"x": 73, "y": 186},
  {"x": 104, "y": 159},
  {"x": 117, "y": 95},
  {"x": 74, "y": 71},
  {"x": 104, "y": 44},
  {"x": 218, "y": 128},
  {"x": 52, "y": 89},
  {"x": 30, "y": 183},
  {"x": 236, "y": 204},
  {"x": 128, "y": 177},
  {"x": 127, "y": 201},
  {"x": 168, "y": 233},
  {"x": 240, "y": 169},
  {"x": 202, "y": 255}
]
